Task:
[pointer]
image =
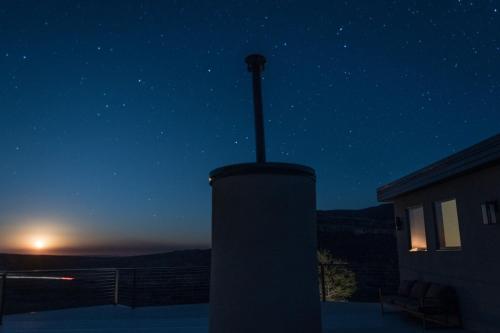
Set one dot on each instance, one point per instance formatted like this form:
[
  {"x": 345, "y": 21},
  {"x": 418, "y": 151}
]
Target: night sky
[{"x": 112, "y": 113}]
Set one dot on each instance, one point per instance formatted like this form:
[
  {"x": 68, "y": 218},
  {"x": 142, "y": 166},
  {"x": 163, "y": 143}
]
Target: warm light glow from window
[
  {"x": 418, "y": 241},
  {"x": 415, "y": 249}
]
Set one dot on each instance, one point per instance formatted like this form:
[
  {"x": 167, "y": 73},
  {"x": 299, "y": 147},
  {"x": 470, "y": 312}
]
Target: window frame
[
  {"x": 440, "y": 236},
  {"x": 490, "y": 206},
  {"x": 407, "y": 213}
]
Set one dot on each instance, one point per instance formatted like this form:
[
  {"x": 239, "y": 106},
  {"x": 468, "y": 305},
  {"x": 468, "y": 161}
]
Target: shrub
[{"x": 340, "y": 281}]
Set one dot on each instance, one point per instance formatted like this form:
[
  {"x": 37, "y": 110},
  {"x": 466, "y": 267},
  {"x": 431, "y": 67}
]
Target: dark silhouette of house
[{"x": 448, "y": 227}]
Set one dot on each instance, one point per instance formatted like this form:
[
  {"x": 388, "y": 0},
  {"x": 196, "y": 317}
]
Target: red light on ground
[{"x": 67, "y": 278}]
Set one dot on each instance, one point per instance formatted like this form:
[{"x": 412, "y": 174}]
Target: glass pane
[
  {"x": 417, "y": 229},
  {"x": 484, "y": 211},
  {"x": 447, "y": 223},
  {"x": 493, "y": 214}
]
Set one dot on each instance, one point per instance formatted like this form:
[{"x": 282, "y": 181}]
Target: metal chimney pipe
[{"x": 255, "y": 64}]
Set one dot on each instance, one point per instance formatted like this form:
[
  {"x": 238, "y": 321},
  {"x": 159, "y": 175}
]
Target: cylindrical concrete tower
[
  {"x": 264, "y": 275},
  {"x": 264, "y": 268}
]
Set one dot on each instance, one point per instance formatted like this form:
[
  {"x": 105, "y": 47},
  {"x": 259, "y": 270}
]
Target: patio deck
[{"x": 337, "y": 318}]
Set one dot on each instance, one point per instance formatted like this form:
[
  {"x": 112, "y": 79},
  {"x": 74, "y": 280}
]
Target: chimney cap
[{"x": 255, "y": 62}]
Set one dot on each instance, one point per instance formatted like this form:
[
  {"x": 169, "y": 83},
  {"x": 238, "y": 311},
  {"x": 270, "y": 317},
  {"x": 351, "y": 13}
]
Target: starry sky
[{"x": 112, "y": 113}]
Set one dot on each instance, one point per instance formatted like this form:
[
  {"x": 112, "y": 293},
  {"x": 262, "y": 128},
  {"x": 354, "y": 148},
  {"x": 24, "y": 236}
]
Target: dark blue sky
[{"x": 112, "y": 113}]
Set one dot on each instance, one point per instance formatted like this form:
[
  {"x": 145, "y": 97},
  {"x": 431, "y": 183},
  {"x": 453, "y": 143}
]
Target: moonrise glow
[{"x": 112, "y": 113}]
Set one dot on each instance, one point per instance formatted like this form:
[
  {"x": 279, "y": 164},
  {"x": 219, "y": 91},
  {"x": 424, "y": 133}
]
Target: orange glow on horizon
[
  {"x": 39, "y": 244},
  {"x": 37, "y": 236}
]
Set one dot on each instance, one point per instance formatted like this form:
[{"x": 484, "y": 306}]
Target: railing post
[
  {"x": 3, "y": 283},
  {"x": 134, "y": 279},
  {"x": 117, "y": 279},
  {"x": 323, "y": 284}
]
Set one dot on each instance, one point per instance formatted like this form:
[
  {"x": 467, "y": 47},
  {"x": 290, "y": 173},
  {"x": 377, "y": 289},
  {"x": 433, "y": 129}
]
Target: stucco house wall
[{"x": 474, "y": 270}]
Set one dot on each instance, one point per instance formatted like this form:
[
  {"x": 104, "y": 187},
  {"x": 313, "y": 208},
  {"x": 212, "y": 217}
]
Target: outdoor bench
[{"x": 431, "y": 302}]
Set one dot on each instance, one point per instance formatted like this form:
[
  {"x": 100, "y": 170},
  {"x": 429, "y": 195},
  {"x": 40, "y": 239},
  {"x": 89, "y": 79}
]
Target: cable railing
[
  {"x": 163, "y": 286},
  {"x": 39, "y": 290}
]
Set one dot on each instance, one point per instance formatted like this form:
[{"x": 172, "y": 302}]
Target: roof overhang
[{"x": 480, "y": 155}]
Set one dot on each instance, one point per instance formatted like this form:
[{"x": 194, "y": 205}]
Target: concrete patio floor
[{"x": 337, "y": 318}]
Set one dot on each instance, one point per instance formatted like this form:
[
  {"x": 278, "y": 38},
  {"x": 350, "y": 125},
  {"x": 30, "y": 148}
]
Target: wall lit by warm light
[{"x": 447, "y": 224}]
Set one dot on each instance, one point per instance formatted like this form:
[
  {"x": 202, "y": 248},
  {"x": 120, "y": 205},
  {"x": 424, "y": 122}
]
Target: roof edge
[{"x": 476, "y": 156}]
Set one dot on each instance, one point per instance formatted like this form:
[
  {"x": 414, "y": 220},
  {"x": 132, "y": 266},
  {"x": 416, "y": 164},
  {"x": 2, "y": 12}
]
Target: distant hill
[
  {"x": 175, "y": 258},
  {"x": 380, "y": 213},
  {"x": 372, "y": 220},
  {"x": 366, "y": 240},
  {"x": 348, "y": 234}
]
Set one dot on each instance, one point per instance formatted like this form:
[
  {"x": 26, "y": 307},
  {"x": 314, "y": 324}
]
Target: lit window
[
  {"x": 416, "y": 220},
  {"x": 489, "y": 210},
  {"x": 447, "y": 224}
]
